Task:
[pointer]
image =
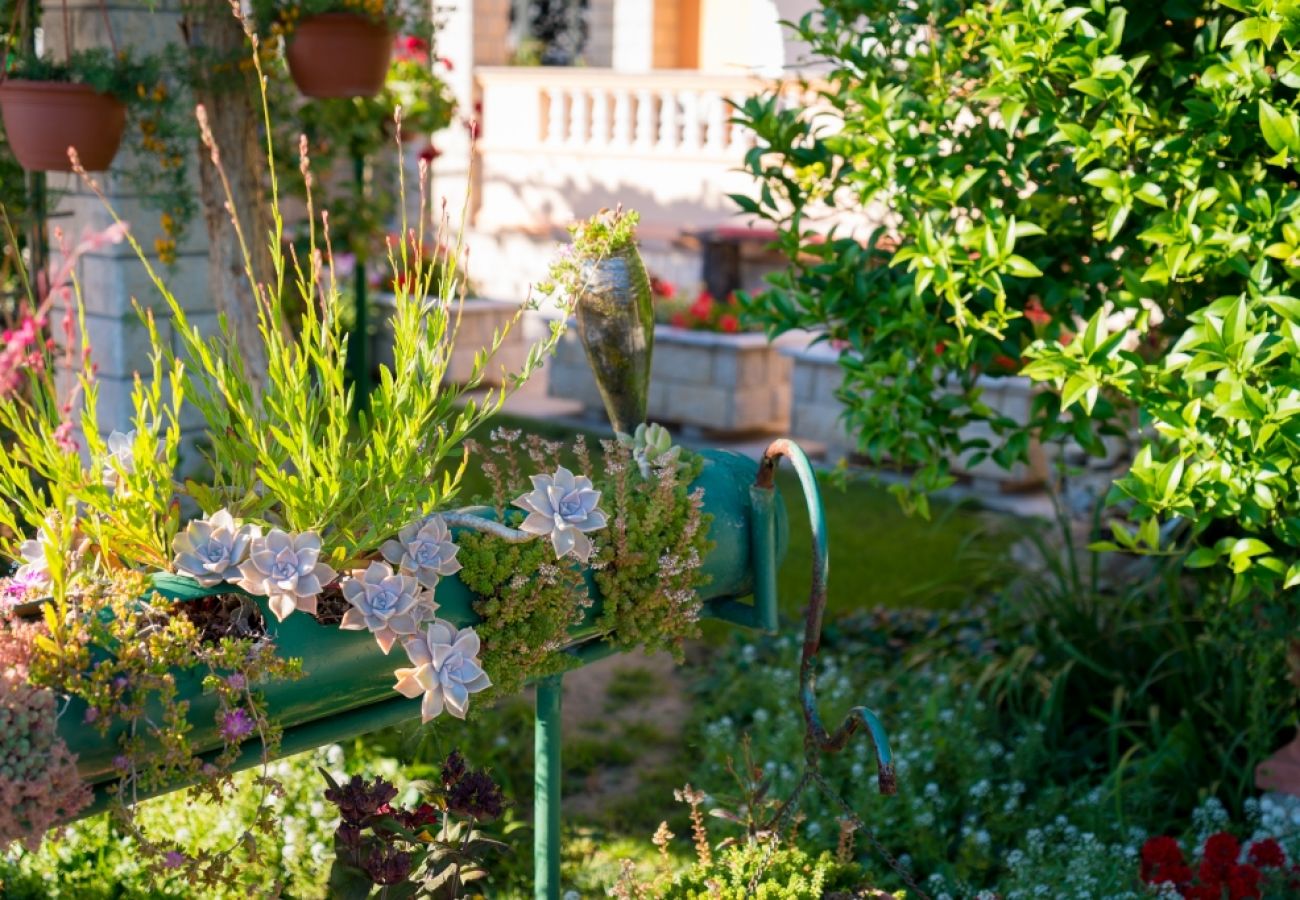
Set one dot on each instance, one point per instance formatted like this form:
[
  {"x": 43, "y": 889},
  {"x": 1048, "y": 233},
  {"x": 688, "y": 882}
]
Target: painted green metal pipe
[{"x": 546, "y": 789}]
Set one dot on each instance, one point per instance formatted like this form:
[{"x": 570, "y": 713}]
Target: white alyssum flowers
[
  {"x": 563, "y": 506},
  {"x": 425, "y": 550},
  {"x": 445, "y": 670},
  {"x": 286, "y": 569},
  {"x": 210, "y": 550},
  {"x": 390, "y": 604}
]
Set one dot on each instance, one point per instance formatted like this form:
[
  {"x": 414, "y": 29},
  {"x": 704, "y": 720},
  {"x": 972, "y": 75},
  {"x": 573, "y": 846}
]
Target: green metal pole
[{"x": 546, "y": 791}]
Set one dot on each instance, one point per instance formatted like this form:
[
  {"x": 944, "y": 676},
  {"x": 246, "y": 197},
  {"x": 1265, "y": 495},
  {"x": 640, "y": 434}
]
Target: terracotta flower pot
[
  {"x": 43, "y": 119},
  {"x": 339, "y": 55}
]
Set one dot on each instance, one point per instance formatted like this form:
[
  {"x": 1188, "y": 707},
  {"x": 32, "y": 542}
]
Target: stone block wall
[
  {"x": 715, "y": 382},
  {"x": 112, "y": 280},
  {"x": 479, "y": 319}
]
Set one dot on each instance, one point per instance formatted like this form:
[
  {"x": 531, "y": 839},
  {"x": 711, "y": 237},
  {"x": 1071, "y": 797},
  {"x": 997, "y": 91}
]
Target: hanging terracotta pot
[
  {"x": 43, "y": 119},
  {"x": 339, "y": 55}
]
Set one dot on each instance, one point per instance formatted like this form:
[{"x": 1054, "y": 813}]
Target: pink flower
[
  {"x": 236, "y": 725},
  {"x": 409, "y": 48}
]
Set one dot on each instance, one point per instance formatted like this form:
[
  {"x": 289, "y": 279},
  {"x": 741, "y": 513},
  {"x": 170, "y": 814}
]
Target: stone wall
[{"x": 112, "y": 278}]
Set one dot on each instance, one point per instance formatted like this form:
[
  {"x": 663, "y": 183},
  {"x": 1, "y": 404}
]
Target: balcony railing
[{"x": 686, "y": 114}]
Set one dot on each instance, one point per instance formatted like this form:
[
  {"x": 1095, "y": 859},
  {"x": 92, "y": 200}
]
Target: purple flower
[
  {"x": 236, "y": 725},
  {"x": 174, "y": 859},
  {"x": 121, "y": 762},
  {"x": 236, "y": 682}
]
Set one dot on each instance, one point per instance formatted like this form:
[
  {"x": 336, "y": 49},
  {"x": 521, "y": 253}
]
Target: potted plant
[
  {"x": 334, "y": 48},
  {"x": 710, "y": 370},
  {"x": 81, "y": 102},
  {"x": 85, "y": 101}
]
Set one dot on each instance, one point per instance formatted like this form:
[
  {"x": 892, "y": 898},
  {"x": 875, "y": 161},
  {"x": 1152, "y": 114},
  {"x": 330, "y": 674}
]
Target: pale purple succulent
[
  {"x": 286, "y": 569},
  {"x": 32, "y": 578},
  {"x": 210, "y": 550},
  {"x": 425, "y": 550},
  {"x": 121, "y": 449},
  {"x": 446, "y": 670},
  {"x": 386, "y": 602},
  {"x": 563, "y": 506}
]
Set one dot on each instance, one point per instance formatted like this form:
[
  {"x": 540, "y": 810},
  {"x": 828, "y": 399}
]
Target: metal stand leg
[{"x": 546, "y": 791}]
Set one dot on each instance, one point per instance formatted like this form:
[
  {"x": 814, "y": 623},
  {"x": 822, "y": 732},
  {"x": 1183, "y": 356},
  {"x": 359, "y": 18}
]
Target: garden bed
[
  {"x": 722, "y": 383},
  {"x": 816, "y": 416}
]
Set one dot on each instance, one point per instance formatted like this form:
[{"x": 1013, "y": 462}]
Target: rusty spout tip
[{"x": 887, "y": 780}]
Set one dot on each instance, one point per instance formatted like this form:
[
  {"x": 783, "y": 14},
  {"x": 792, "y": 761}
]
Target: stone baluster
[
  {"x": 645, "y": 118},
  {"x": 599, "y": 117},
  {"x": 579, "y": 110},
  {"x": 622, "y": 131},
  {"x": 692, "y": 122},
  {"x": 668, "y": 120},
  {"x": 716, "y": 114},
  {"x": 556, "y": 103}
]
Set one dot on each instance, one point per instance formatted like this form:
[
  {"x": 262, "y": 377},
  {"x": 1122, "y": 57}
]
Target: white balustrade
[{"x": 684, "y": 114}]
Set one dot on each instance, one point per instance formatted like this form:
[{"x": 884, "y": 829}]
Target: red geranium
[
  {"x": 729, "y": 323},
  {"x": 702, "y": 306},
  {"x": 1163, "y": 861},
  {"x": 1267, "y": 854},
  {"x": 410, "y": 48}
]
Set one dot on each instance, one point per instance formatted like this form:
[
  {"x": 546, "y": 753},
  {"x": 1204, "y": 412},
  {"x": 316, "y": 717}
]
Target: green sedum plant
[{"x": 1099, "y": 196}]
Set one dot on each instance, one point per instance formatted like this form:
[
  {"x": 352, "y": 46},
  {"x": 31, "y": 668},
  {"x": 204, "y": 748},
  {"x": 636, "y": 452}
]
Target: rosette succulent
[
  {"x": 652, "y": 447},
  {"x": 286, "y": 569},
  {"x": 563, "y": 506},
  {"x": 121, "y": 449},
  {"x": 425, "y": 550},
  {"x": 210, "y": 550},
  {"x": 445, "y": 670},
  {"x": 387, "y": 603},
  {"x": 34, "y": 573}
]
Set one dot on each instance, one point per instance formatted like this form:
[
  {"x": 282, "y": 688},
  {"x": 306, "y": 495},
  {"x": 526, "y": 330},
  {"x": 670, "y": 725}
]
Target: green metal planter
[{"x": 349, "y": 685}]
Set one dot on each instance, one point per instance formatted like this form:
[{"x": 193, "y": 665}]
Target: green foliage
[
  {"x": 746, "y": 870},
  {"x": 280, "y": 17},
  {"x": 648, "y": 568},
  {"x": 527, "y": 602},
  {"x": 1106, "y": 194}
]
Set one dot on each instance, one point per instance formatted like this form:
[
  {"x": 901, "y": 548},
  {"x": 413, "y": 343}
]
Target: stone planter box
[
  {"x": 723, "y": 383},
  {"x": 815, "y": 416},
  {"x": 479, "y": 318}
]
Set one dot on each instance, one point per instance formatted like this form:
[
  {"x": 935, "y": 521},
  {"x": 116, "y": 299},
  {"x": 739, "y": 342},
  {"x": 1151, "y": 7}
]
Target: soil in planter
[
  {"x": 224, "y": 615},
  {"x": 330, "y": 606}
]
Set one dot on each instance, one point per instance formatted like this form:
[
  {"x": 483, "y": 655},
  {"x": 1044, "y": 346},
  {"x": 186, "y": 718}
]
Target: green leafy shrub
[{"x": 1102, "y": 191}]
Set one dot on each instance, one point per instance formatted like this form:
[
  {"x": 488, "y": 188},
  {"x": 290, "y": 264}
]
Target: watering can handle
[{"x": 817, "y": 740}]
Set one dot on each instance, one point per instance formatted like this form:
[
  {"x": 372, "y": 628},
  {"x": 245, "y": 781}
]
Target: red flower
[
  {"x": 1267, "y": 854},
  {"x": 729, "y": 323},
  {"x": 1222, "y": 848},
  {"x": 410, "y": 48},
  {"x": 1002, "y": 361},
  {"x": 940, "y": 348},
  {"x": 1035, "y": 313},
  {"x": 661, "y": 288},
  {"x": 1243, "y": 883},
  {"x": 679, "y": 320},
  {"x": 703, "y": 305},
  {"x": 446, "y": 63},
  {"x": 1163, "y": 861},
  {"x": 430, "y": 153},
  {"x": 1219, "y": 860}
]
